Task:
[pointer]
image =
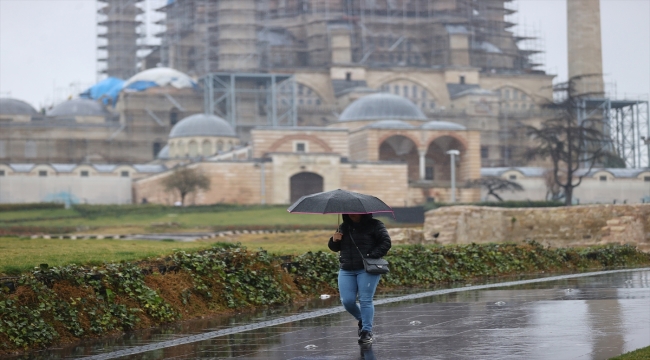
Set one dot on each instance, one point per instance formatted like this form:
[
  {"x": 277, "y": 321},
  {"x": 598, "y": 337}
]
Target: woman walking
[{"x": 359, "y": 234}]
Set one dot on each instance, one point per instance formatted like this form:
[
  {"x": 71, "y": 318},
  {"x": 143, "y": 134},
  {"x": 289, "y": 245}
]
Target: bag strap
[{"x": 355, "y": 245}]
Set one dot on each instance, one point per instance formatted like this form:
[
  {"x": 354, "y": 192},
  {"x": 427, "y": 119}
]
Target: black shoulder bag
[{"x": 372, "y": 266}]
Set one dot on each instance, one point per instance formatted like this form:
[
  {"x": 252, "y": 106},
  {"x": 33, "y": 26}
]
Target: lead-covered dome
[
  {"x": 77, "y": 107},
  {"x": 391, "y": 124},
  {"x": 9, "y": 106},
  {"x": 202, "y": 125},
  {"x": 442, "y": 125},
  {"x": 382, "y": 106},
  {"x": 163, "y": 154}
]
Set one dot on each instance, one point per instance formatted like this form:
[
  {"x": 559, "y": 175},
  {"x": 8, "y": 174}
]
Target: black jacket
[{"x": 369, "y": 234}]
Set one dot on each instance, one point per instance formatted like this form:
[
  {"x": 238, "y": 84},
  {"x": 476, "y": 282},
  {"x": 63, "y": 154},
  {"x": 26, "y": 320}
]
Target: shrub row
[
  {"x": 95, "y": 211},
  {"x": 51, "y": 305},
  {"x": 33, "y": 206}
]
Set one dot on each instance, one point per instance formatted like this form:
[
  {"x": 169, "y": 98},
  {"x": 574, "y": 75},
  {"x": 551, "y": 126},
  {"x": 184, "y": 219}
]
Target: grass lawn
[
  {"x": 287, "y": 243},
  {"x": 144, "y": 219},
  {"x": 19, "y": 254},
  {"x": 639, "y": 354}
]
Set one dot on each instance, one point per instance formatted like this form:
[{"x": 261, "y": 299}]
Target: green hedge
[
  {"x": 42, "y": 307},
  {"x": 95, "y": 211},
  {"x": 33, "y": 206},
  {"x": 503, "y": 204}
]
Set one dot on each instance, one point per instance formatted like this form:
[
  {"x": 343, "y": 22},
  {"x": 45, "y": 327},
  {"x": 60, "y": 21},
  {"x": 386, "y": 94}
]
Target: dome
[
  {"x": 442, "y": 125},
  {"x": 202, "y": 125},
  {"x": 10, "y": 106},
  {"x": 163, "y": 153},
  {"x": 382, "y": 106},
  {"x": 161, "y": 76},
  {"x": 77, "y": 107},
  {"x": 390, "y": 124}
]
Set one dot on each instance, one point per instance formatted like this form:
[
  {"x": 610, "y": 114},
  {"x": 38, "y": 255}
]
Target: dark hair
[{"x": 364, "y": 218}]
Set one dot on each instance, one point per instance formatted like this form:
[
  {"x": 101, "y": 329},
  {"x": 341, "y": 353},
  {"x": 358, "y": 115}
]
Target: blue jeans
[{"x": 353, "y": 282}]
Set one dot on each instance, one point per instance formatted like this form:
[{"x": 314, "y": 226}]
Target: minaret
[
  {"x": 121, "y": 44},
  {"x": 585, "y": 49},
  {"x": 237, "y": 39}
]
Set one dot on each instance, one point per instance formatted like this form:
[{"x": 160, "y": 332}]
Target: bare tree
[
  {"x": 570, "y": 142},
  {"x": 186, "y": 181},
  {"x": 553, "y": 190},
  {"x": 494, "y": 184}
]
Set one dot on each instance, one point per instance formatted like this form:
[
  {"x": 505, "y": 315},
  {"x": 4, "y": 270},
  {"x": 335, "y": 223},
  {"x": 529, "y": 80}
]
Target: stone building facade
[{"x": 369, "y": 150}]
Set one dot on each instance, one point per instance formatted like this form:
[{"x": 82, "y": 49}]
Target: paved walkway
[
  {"x": 578, "y": 316},
  {"x": 587, "y": 318}
]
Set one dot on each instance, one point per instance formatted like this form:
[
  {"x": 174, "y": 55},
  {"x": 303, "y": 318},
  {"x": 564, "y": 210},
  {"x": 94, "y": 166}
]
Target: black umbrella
[{"x": 338, "y": 202}]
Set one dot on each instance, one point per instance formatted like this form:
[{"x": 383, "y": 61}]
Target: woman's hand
[{"x": 337, "y": 236}]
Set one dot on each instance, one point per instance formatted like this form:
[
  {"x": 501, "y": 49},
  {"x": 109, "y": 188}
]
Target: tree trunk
[
  {"x": 183, "y": 199},
  {"x": 568, "y": 196}
]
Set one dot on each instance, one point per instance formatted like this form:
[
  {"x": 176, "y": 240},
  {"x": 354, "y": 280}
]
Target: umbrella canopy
[{"x": 338, "y": 202}]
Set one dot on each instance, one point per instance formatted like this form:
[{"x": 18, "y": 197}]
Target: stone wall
[
  {"x": 230, "y": 182},
  {"x": 557, "y": 227}
]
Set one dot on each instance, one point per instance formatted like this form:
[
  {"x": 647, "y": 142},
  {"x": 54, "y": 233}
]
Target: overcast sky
[{"x": 48, "y": 47}]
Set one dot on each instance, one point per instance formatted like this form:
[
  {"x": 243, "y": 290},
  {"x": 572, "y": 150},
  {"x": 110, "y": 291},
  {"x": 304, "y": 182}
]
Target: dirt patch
[
  {"x": 24, "y": 295},
  {"x": 177, "y": 290}
]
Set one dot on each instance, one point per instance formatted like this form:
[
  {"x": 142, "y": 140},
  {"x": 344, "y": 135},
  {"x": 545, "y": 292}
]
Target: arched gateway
[{"x": 305, "y": 183}]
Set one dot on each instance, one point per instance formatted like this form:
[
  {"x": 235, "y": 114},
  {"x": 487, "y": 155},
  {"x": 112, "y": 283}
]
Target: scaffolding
[
  {"x": 627, "y": 122},
  {"x": 247, "y": 100},
  {"x": 206, "y": 36},
  {"x": 118, "y": 37}
]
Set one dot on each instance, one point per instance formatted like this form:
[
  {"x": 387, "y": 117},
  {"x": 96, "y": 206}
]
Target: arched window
[
  {"x": 307, "y": 96},
  {"x": 193, "y": 148},
  {"x": 219, "y": 145},
  {"x": 412, "y": 91},
  {"x": 206, "y": 148},
  {"x": 512, "y": 99},
  {"x": 181, "y": 149}
]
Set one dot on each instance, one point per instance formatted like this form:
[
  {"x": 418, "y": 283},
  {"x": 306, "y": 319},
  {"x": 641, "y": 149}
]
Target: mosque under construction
[{"x": 299, "y": 67}]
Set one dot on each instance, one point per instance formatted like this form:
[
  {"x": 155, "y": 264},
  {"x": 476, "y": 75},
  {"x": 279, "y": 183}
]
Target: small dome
[
  {"x": 161, "y": 76},
  {"x": 10, "y": 106},
  {"x": 202, "y": 125},
  {"x": 382, "y": 106},
  {"x": 163, "y": 153},
  {"x": 77, "y": 107},
  {"x": 442, "y": 125},
  {"x": 390, "y": 124}
]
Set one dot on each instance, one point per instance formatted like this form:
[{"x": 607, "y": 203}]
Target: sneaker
[
  {"x": 365, "y": 337},
  {"x": 360, "y": 327}
]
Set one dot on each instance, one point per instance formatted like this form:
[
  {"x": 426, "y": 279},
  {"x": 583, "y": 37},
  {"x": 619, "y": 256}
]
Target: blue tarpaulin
[
  {"x": 141, "y": 85},
  {"x": 106, "y": 90}
]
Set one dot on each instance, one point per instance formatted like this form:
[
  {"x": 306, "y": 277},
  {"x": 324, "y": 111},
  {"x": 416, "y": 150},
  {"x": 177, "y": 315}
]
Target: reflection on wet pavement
[{"x": 593, "y": 317}]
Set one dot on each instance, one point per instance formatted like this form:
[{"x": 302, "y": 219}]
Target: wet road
[{"x": 594, "y": 317}]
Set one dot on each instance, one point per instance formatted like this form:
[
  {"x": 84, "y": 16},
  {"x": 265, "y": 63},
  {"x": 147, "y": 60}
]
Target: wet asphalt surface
[{"x": 590, "y": 318}]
